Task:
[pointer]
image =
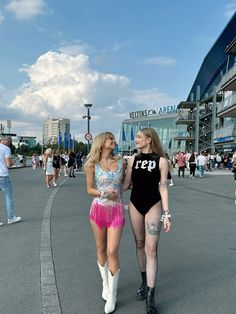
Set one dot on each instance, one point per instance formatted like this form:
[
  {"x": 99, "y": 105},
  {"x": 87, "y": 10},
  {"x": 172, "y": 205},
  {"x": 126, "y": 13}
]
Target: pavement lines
[{"x": 49, "y": 294}]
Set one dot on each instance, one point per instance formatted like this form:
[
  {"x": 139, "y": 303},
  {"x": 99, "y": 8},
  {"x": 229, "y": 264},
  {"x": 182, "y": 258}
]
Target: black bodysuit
[{"x": 145, "y": 179}]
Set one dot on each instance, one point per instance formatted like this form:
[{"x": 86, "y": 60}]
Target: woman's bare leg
[
  {"x": 113, "y": 245},
  {"x": 152, "y": 235},
  {"x": 137, "y": 222},
  {"x": 100, "y": 236}
]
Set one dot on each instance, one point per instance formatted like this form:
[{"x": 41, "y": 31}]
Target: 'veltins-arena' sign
[{"x": 149, "y": 112}]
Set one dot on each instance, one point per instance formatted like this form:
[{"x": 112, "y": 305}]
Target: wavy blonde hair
[
  {"x": 96, "y": 148},
  {"x": 48, "y": 151},
  {"x": 155, "y": 144}
]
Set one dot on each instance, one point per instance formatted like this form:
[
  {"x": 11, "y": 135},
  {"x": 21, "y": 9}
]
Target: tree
[
  {"x": 23, "y": 150},
  {"x": 80, "y": 147}
]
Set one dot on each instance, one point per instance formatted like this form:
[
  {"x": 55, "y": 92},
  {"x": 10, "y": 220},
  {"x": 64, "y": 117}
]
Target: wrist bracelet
[
  {"x": 165, "y": 215},
  {"x": 103, "y": 194}
]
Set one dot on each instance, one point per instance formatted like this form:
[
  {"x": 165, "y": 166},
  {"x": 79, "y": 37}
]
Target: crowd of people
[
  {"x": 206, "y": 161},
  {"x": 200, "y": 162},
  {"x": 55, "y": 164}
]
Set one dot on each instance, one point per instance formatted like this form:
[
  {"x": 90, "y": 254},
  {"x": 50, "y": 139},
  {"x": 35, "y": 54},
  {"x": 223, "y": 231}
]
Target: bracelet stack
[
  {"x": 165, "y": 214},
  {"x": 103, "y": 194}
]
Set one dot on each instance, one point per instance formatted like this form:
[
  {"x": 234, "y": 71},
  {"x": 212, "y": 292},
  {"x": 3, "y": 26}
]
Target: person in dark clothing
[
  {"x": 148, "y": 208},
  {"x": 79, "y": 160},
  {"x": 56, "y": 163},
  {"x": 71, "y": 164},
  {"x": 192, "y": 165}
]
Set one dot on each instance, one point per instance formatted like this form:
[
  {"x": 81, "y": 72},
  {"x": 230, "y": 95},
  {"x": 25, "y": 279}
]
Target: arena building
[
  {"x": 162, "y": 119},
  {"x": 209, "y": 113},
  {"x": 206, "y": 120}
]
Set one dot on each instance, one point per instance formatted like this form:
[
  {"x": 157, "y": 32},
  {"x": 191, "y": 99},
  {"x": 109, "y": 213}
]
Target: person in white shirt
[
  {"x": 5, "y": 182},
  {"x": 201, "y": 161}
]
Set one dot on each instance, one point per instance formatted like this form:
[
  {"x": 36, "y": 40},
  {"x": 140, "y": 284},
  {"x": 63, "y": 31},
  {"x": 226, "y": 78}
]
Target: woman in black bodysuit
[{"x": 148, "y": 208}]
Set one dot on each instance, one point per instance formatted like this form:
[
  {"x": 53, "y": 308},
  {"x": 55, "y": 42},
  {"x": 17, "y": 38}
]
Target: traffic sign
[{"x": 88, "y": 136}]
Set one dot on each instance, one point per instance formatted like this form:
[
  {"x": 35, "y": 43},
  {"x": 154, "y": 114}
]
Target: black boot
[
  {"x": 142, "y": 291},
  {"x": 150, "y": 301}
]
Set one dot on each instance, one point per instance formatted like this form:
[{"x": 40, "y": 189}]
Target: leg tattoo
[{"x": 154, "y": 227}]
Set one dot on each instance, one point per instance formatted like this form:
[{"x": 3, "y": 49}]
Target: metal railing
[
  {"x": 225, "y": 131},
  {"x": 227, "y": 103},
  {"x": 228, "y": 76}
]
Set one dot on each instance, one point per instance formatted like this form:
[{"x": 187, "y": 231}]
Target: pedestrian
[
  {"x": 201, "y": 162},
  {"x": 63, "y": 165},
  {"x": 148, "y": 208},
  {"x": 79, "y": 160},
  {"x": 104, "y": 174},
  {"x": 21, "y": 159},
  {"x": 72, "y": 163},
  {"x": 34, "y": 160},
  {"x": 56, "y": 166},
  {"x": 192, "y": 165},
  {"x": 41, "y": 160},
  {"x": 48, "y": 166},
  {"x": 181, "y": 161},
  {"x": 5, "y": 182}
]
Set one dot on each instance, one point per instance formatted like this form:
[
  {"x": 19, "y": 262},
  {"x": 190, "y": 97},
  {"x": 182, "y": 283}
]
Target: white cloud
[
  {"x": 160, "y": 61},
  {"x": 26, "y": 9},
  {"x": 230, "y": 9},
  {"x": 2, "y": 18},
  {"x": 59, "y": 85},
  {"x": 74, "y": 48}
]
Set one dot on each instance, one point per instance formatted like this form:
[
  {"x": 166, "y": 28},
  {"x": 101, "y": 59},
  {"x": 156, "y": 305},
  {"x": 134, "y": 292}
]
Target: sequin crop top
[{"x": 108, "y": 180}]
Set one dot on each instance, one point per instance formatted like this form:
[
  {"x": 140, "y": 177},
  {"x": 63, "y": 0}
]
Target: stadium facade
[
  {"x": 210, "y": 109},
  {"x": 206, "y": 120}
]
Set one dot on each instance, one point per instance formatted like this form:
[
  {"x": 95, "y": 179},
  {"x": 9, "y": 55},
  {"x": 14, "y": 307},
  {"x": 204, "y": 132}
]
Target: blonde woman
[
  {"x": 148, "y": 208},
  {"x": 104, "y": 173},
  {"x": 48, "y": 166}
]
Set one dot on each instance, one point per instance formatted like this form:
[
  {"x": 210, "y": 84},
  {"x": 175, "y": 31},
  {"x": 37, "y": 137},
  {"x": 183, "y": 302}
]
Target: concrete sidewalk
[{"x": 48, "y": 261}]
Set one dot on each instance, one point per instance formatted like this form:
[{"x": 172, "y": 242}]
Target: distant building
[
  {"x": 30, "y": 141},
  {"x": 55, "y": 131}
]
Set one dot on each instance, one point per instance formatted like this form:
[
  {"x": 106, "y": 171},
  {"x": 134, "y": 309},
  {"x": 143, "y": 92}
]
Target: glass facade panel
[{"x": 165, "y": 127}]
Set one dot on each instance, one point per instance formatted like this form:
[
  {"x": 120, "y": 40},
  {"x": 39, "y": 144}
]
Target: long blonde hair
[
  {"x": 155, "y": 144},
  {"x": 96, "y": 148}
]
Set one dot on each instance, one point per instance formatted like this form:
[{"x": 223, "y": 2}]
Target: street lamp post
[{"x": 88, "y": 135}]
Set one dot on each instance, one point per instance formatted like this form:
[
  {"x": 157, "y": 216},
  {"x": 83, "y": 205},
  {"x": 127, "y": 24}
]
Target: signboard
[
  {"x": 163, "y": 110},
  {"x": 223, "y": 139},
  {"x": 88, "y": 136}
]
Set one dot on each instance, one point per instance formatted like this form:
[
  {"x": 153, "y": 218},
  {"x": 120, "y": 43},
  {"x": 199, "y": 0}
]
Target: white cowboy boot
[
  {"x": 112, "y": 291},
  {"x": 104, "y": 274}
]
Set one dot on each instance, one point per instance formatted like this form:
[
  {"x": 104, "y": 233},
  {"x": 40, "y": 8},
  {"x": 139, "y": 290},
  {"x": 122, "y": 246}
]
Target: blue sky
[{"x": 122, "y": 56}]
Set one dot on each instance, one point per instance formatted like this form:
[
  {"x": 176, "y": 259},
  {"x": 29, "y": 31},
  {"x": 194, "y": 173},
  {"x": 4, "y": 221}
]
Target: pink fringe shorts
[{"x": 108, "y": 216}]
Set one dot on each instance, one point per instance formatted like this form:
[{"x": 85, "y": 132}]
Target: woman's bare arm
[
  {"x": 90, "y": 172},
  {"x": 127, "y": 180}
]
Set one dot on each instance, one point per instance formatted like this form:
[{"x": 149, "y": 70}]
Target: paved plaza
[{"x": 48, "y": 261}]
